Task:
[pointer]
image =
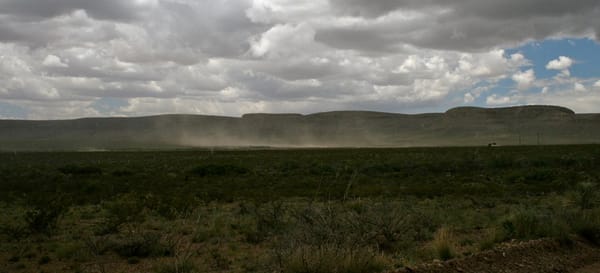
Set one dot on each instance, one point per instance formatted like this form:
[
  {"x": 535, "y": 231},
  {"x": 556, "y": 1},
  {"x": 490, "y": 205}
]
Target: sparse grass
[
  {"x": 444, "y": 244},
  {"x": 331, "y": 258},
  {"x": 335, "y": 210},
  {"x": 176, "y": 267}
]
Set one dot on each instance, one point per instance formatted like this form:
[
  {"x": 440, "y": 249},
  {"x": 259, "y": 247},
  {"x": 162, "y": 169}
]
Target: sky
[{"x": 62, "y": 59}]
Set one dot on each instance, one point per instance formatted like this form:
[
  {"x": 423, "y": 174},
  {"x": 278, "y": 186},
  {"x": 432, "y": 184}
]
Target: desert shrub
[
  {"x": 332, "y": 258},
  {"x": 171, "y": 206},
  {"x": 69, "y": 250},
  {"x": 141, "y": 245},
  {"x": 185, "y": 266},
  {"x": 44, "y": 260},
  {"x": 12, "y": 223},
  {"x": 587, "y": 225},
  {"x": 270, "y": 217},
  {"x": 317, "y": 168},
  {"x": 96, "y": 246},
  {"x": 218, "y": 170},
  {"x": 122, "y": 173},
  {"x": 501, "y": 161},
  {"x": 586, "y": 195},
  {"x": 380, "y": 169},
  {"x": 215, "y": 228},
  {"x": 349, "y": 237},
  {"x": 43, "y": 214},
  {"x": 80, "y": 170},
  {"x": 534, "y": 224},
  {"x": 444, "y": 244},
  {"x": 489, "y": 241},
  {"x": 123, "y": 209},
  {"x": 247, "y": 226}
]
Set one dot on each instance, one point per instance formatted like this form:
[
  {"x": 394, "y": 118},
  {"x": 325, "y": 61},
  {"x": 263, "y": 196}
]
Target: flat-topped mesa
[
  {"x": 528, "y": 112},
  {"x": 267, "y": 115},
  {"x": 353, "y": 114}
]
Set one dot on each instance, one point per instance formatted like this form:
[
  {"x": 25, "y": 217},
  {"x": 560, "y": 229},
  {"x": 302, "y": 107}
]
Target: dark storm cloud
[
  {"x": 65, "y": 32},
  {"x": 505, "y": 9},
  {"x": 469, "y": 25},
  {"x": 218, "y": 28},
  {"x": 100, "y": 9}
]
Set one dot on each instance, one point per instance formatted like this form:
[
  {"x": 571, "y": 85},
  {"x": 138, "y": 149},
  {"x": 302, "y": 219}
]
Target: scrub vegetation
[{"x": 303, "y": 210}]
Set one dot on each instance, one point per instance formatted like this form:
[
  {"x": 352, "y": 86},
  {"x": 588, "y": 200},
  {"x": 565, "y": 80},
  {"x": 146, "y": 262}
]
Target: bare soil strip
[
  {"x": 538, "y": 256},
  {"x": 595, "y": 268}
]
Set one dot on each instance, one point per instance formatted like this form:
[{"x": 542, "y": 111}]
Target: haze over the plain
[
  {"x": 465, "y": 126},
  {"x": 84, "y": 58}
]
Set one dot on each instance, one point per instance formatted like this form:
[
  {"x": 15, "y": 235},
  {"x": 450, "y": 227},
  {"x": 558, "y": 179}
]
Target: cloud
[
  {"x": 53, "y": 61},
  {"x": 468, "y": 98},
  {"x": 524, "y": 79},
  {"x": 106, "y": 9},
  {"x": 495, "y": 100},
  {"x": 62, "y": 58},
  {"x": 282, "y": 39},
  {"x": 561, "y": 63},
  {"x": 482, "y": 8},
  {"x": 578, "y": 87},
  {"x": 472, "y": 25}
]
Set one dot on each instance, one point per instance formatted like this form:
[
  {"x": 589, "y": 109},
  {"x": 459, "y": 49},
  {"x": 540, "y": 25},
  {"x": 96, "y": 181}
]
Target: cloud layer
[{"x": 72, "y": 58}]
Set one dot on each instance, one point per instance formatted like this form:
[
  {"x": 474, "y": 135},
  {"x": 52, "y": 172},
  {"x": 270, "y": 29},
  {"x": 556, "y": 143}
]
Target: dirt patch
[
  {"x": 595, "y": 268},
  {"x": 539, "y": 256}
]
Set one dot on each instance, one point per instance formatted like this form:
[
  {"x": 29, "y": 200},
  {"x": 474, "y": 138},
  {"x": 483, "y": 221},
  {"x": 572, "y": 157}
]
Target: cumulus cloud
[
  {"x": 496, "y": 100},
  {"x": 63, "y": 58},
  {"x": 524, "y": 79},
  {"x": 578, "y": 87},
  {"x": 53, "y": 61},
  {"x": 468, "y": 98},
  {"x": 561, "y": 63},
  {"x": 460, "y": 25},
  {"x": 106, "y": 9}
]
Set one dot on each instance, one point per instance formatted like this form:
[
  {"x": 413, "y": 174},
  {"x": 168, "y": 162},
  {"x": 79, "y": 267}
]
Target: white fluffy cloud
[
  {"x": 53, "y": 61},
  {"x": 63, "y": 58},
  {"x": 561, "y": 63},
  {"x": 524, "y": 79},
  {"x": 578, "y": 87},
  {"x": 496, "y": 100}
]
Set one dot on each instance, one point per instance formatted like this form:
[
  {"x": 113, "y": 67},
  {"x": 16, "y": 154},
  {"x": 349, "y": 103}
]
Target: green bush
[
  {"x": 533, "y": 224},
  {"x": 43, "y": 214},
  {"x": 80, "y": 170},
  {"x": 186, "y": 266},
  {"x": 218, "y": 170},
  {"x": 331, "y": 258},
  {"x": 586, "y": 195},
  {"x": 123, "y": 209},
  {"x": 587, "y": 225},
  {"x": 146, "y": 244}
]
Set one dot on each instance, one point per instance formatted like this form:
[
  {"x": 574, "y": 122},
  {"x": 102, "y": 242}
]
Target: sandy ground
[
  {"x": 594, "y": 268},
  {"x": 538, "y": 256}
]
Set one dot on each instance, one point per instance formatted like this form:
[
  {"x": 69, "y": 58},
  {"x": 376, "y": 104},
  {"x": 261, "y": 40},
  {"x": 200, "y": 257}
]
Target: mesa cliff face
[{"x": 463, "y": 126}]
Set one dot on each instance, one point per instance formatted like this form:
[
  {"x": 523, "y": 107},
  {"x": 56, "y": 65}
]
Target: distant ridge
[
  {"x": 516, "y": 109},
  {"x": 461, "y": 126}
]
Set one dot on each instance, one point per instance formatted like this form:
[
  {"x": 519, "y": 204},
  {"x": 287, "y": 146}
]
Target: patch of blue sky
[
  {"x": 584, "y": 52},
  {"x": 11, "y": 111},
  {"x": 108, "y": 106},
  {"x": 502, "y": 88}
]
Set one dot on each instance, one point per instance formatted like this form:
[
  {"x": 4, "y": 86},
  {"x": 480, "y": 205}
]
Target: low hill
[{"x": 463, "y": 126}]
